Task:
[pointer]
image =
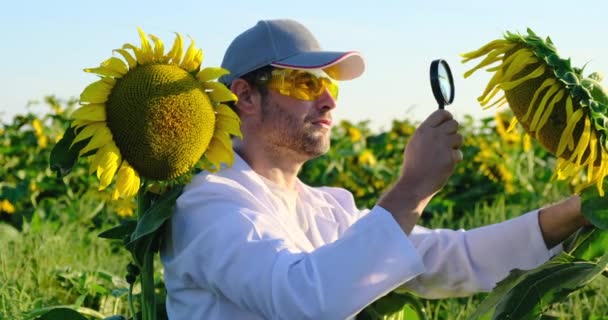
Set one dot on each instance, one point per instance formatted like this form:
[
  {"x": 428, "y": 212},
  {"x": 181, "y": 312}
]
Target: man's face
[{"x": 300, "y": 126}]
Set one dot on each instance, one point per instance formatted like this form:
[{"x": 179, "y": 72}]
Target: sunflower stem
[
  {"x": 147, "y": 287},
  {"x": 148, "y": 299},
  {"x": 131, "y": 305}
]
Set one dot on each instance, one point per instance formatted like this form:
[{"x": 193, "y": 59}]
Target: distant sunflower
[
  {"x": 566, "y": 112},
  {"x": 154, "y": 116}
]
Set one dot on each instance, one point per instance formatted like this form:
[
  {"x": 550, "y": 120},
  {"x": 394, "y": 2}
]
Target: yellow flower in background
[
  {"x": 7, "y": 206},
  {"x": 566, "y": 112},
  {"x": 39, "y": 133},
  {"x": 154, "y": 115},
  {"x": 354, "y": 134},
  {"x": 33, "y": 186},
  {"x": 367, "y": 157}
]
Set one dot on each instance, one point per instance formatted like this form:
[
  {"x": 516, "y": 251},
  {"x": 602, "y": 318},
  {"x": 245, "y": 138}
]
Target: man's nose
[{"x": 326, "y": 101}]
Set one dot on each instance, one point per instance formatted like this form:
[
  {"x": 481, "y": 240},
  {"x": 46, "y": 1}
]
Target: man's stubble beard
[{"x": 285, "y": 132}]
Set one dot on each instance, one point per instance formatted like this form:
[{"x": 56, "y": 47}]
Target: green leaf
[
  {"x": 63, "y": 158},
  {"x": 488, "y": 305},
  {"x": 525, "y": 294},
  {"x": 144, "y": 237},
  {"x": 396, "y": 306},
  {"x": 120, "y": 231},
  {"x": 154, "y": 217},
  {"x": 55, "y": 313},
  {"x": 595, "y": 207},
  {"x": 594, "y": 245}
]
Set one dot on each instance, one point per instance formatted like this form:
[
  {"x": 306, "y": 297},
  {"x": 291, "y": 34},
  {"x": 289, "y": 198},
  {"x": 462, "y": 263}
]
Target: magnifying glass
[{"x": 442, "y": 82}]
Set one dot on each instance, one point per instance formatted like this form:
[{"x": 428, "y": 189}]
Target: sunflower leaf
[
  {"x": 65, "y": 312},
  {"x": 593, "y": 244},
  {"x": 595, "y": 207},
  {"x": 152, "y": 220},
  {"x": 120, "y": 231},
  {"x": 63, "y": 158},
  {"x": 525, "y": 294}
]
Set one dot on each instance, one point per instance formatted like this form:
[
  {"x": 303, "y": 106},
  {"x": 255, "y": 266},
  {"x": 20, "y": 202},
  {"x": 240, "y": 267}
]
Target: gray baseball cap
[{"x": 286, "y": 44}]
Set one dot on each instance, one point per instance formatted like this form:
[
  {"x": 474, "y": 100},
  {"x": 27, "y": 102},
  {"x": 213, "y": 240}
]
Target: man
[{"x": 254, "y": 242}]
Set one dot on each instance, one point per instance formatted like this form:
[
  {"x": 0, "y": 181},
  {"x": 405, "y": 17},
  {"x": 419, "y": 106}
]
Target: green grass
[{"x": 58, "y": 264}]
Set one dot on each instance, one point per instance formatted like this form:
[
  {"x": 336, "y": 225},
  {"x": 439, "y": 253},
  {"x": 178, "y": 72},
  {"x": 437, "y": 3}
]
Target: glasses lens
[{"x": 303, "y": 85}]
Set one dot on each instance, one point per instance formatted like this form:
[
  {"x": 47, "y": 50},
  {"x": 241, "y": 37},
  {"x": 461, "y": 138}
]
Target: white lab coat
[{"x": 236, "y": 250}]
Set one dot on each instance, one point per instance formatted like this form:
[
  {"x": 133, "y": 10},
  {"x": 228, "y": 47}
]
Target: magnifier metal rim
[{"x": 436, "y": 86}]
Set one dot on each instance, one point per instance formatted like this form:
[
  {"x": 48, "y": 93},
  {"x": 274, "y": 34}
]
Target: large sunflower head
[
  {"x": 565, "y": 111},
  {"x": 154, "y": 115}
]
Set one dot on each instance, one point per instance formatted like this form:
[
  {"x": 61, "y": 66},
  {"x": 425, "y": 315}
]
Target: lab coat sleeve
[
  {"x": 460, "y": 263},
  {"x": 243, "y": 254}
]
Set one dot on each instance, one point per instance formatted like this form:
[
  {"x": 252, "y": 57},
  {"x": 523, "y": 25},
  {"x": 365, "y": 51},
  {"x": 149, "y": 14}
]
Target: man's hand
[
  {"x": 429, "y": 159},
  {"x": 432, "y": 154}
]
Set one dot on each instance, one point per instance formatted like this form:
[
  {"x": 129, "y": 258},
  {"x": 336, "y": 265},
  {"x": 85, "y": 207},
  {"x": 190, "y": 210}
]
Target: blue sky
[{"x": 46, "y": 44}]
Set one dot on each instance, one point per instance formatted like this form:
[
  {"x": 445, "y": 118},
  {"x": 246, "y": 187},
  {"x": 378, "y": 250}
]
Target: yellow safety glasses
[{"x": 306, "y": 85}]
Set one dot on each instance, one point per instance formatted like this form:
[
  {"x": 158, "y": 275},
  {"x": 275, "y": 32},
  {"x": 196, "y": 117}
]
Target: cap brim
[{"x": 338, "y": 65}]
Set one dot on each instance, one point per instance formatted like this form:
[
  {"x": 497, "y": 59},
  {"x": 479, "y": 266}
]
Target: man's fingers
[
  {"x": 455, "y": 141},
  {"x": 449, "y": 127},
  {"x": 436, "y": 118}
]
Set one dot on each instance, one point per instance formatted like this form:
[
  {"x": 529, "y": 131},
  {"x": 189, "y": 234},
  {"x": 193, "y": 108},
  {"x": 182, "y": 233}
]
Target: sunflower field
[{"x": 54, "y": 265}]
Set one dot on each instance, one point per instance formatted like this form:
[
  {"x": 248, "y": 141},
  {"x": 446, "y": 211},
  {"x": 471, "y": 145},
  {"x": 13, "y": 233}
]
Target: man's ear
[{"x": 248, "y": 97}]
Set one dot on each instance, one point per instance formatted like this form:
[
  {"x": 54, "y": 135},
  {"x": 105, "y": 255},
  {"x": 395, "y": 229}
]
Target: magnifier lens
[{"x": 442, "y": 83}]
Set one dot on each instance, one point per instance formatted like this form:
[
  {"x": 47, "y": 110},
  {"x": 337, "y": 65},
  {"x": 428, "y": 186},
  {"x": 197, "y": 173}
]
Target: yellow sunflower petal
[
  {"x": 107, "y": 164},
  {"x": 224, "y": 138},
  {"x": 232, "y": 127},
  {"x": 211, "y": 73},
  {"x": 88, "y": 131},
  {"x": 512, "y": 124},
  {"x": 90, "y": 112},
  {"x": 219, "y": 92},
  {"x": 112, "y": 67},
  {"x": 583, "y": 143},
  {"x": 127, "y": 56},
  {"x": 534, "y": 74},
  {"x": 592, "y": 155},
  {"x": 139, "y": 57},
  {"x": 159, "y": 48},
  {"x": 567, "y": 133},
  {"x": 485, "y": 49},
  {"x": 541, "y": 106},
  {"x": 147, "y": 55},
  {"x": 101, "y": 138},
  {"x": 549, "y": 109},
  {"x": 228, "y": 121},
  {"x": 547, "y": 83},
  {"x": 80, "y": 123},
  {"x": 494, "y": 81},
  {"x": 218, "y": 153},
  {"x": 226, "y": 111},
  {"x": 175, "y": 54},
  {"x": 98, "y": 91},
  {"x": 198, "y": 59},
  {"x": 127, "y": 182},
  {"x": 189, "y": 61}
]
